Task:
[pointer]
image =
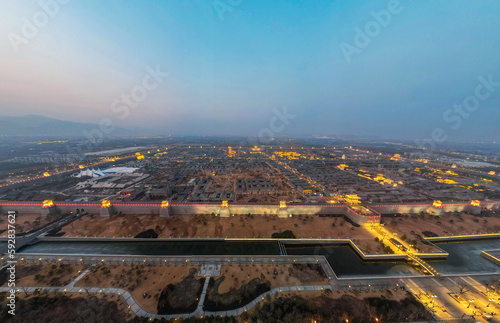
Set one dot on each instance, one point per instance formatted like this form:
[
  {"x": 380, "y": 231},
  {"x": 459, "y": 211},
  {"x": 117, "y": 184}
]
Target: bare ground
[
  {"x": 138, "y": 280},
  {"x": 46, "y": 275},
  {"x": 208, "y": 226},
  {"x": 446, "y": 225},
  {"x": 281, "y": 275}
]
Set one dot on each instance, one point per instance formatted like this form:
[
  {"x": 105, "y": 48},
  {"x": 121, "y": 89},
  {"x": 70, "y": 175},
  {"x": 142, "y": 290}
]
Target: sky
[{"x": 390, "y": 69}]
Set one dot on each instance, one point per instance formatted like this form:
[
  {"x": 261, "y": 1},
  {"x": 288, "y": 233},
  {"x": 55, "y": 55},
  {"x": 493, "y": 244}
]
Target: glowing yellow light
[
  {"x": 105, "y": 203},
  {"x": 47, "y": 203},
  {"x": 491, "y": 173},
  {"x": 437, "y": 203},
  {"x": 224, "y": 204},
  {"x": 475, "y": 203},
  {"x": 447, "y": 181},
  {"x": 46, "y": 174},
  {"x": 352, "y": 199},
  {"x": 164, "y": 204},
  {"x": 81, "y": 167},
  {"x": 282, "y": 205},
  {"x": 230, "y": 152}
]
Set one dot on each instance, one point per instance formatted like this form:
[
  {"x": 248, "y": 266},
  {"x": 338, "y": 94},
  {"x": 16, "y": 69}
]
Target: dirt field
[
  {"x": 446, "y": 225},
  {"x": 282, "y": 275},
  {"x": 121, "y": 305},
  {"x": 392, "y": 294},
  {"x": 24, "y": 222},
  {"x": 208, "y": 226},
  {"x": 46, "y": 275},
  {"x": 137, "y": 279}
]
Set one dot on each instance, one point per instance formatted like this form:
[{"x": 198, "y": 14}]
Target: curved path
[{"x": 139, "y": 311}]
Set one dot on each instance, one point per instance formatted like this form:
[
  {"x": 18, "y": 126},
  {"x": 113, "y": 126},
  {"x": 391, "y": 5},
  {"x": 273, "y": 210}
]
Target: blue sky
[{"x": 225, "y": 76}]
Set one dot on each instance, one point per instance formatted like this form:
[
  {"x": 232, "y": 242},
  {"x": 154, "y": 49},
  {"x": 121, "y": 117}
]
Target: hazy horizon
[{"x": 233, "y": 69}]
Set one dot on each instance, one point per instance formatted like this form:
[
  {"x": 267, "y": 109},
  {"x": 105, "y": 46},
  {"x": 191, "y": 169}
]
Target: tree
[{"x": 462, "y": 289}]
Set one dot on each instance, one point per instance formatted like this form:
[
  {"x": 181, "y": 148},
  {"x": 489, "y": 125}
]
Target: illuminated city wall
[{"x": 310, "y": 209}]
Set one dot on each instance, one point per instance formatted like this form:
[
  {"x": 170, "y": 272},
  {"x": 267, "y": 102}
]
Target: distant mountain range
[{"x": 35, "y": 125}]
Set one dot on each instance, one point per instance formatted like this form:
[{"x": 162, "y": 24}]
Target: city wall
[{"x": 243, "y": 209}]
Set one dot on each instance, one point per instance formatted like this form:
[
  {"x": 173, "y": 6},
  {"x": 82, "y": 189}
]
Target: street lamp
[
  {"x": 470, "y": 302},
  {"x": 432, "y": 301},
  {"x": 489, "y": 301}
]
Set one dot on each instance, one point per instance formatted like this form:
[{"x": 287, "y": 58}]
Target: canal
[
  {"x": 155, "y": 248},
  {"x": 345, "y": 262},
  {"x": 464, "y": 256}
]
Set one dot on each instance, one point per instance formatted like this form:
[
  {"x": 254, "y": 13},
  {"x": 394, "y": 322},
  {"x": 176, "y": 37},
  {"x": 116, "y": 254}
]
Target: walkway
[
  {"x": 169, "y": 260},
  {"x": 72, "y": 284},
  {"x": 199, "y": 309},
  {"x": 140, "y": 312}
]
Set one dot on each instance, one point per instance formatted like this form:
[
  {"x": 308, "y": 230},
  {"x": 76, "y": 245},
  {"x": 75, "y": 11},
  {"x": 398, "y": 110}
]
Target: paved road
[
  {"x": 172, "y": 260},
  {"x": 30, "y": 238},
  {"x": 439, "y": 295}
]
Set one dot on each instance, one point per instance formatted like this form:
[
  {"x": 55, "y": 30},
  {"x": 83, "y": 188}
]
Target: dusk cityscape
[{"x": 250, "y": 161}]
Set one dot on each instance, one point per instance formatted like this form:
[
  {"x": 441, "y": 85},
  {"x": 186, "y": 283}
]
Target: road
[
  {"x": 30, "y": 238},
  {"x": 463, "y": 297}
]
